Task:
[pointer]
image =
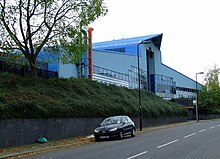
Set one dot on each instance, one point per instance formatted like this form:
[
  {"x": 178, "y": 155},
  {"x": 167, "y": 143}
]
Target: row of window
[
  {"x": 186, "y": 89},
  {"x": 166, "y": 89},
  {"x": 164, "y": 80},
  {"x": 116, "y": 49},
  {"x": 189, "y": 96}
]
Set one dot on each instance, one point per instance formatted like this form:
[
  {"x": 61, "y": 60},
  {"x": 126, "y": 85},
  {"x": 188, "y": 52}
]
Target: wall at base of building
[{"x": 16, "y": 132}]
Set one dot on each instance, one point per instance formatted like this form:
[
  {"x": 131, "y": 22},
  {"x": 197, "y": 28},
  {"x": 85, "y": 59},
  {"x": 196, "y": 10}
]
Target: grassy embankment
[{"x": 64, "y": 98}]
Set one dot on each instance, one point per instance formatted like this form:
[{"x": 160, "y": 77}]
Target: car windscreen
[{"x": 111, "y": 120}]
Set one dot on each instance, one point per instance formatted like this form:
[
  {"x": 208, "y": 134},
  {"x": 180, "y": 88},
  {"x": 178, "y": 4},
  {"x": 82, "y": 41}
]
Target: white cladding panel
[
  {"x": 67, "y": 71},
  {"x": 119, "y": 62}
]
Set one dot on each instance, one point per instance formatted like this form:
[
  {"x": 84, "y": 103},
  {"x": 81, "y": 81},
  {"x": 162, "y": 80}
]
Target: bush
[{"x": 20, "y": 97}]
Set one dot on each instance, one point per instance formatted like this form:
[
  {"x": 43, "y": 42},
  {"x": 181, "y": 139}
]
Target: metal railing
[
  {"x": 107, "y": 76},
  {"x": 110, "y": 73},
  {"x": 133, "y": 78}
]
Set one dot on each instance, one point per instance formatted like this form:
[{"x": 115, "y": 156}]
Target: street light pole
[
  {"x": 197, "y": 113},
  {"x": 139, "y": 87},
  {"x": 139, "y": 82}
]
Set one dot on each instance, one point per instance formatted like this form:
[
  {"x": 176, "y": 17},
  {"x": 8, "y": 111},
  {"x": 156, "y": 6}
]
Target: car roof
[{"x": 117, "y": 116}]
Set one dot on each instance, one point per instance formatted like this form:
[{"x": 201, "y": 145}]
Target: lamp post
[
  {"x": 139, "y": 87},
  {"x": 197, "y": 113},
  {"x": 139, "y": 82}
]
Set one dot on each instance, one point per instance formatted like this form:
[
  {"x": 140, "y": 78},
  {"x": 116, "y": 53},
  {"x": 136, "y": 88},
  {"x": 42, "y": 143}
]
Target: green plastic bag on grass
[{"x": 42, "y": 140}]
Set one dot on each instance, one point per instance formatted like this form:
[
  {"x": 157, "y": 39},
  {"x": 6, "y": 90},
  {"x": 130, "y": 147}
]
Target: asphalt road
[{"x": 194, "y": 141}]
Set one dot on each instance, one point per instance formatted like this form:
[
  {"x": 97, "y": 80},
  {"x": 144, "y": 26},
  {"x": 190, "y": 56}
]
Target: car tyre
[
  {"x": 97, "y": 139},
  {"x": 121, "y": 135},
  {"x": 133, "y": 133}
]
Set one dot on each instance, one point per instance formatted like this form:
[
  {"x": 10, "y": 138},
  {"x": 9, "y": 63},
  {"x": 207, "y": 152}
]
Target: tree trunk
[{"x": 33, "y": 70}]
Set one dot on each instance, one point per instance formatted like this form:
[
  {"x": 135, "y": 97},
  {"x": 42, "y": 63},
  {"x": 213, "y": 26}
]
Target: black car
[{"x": 116, "y": 126}]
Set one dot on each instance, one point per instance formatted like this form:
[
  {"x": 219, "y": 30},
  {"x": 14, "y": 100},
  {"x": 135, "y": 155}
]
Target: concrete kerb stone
[
  {"x": 13, "y": 152},
  {"x": 37, "y": 150}
]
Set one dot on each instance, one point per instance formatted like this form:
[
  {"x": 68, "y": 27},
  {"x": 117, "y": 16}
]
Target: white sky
[{"x": 191, "y": 29}]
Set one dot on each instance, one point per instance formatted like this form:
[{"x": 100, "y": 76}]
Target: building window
[
  {"x": 185, "y": 89},
  {"x": 117, "y": 49},
  {"x": 165, "y": 84}
]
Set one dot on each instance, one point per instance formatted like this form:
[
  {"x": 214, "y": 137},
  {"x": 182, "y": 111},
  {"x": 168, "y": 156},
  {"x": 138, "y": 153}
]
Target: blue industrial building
[{"x": 116, "y": 62}]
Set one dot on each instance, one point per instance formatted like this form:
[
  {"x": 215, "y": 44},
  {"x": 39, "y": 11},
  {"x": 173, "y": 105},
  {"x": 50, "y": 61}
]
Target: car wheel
[
  {"x": 121, "y": 136},
  {"x": 133, "y": 133},
  {"x": 97, "y": 139}
]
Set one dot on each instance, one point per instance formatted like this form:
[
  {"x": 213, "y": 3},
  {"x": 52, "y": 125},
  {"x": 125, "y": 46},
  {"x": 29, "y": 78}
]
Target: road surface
[{"x": 194, "y": 141}]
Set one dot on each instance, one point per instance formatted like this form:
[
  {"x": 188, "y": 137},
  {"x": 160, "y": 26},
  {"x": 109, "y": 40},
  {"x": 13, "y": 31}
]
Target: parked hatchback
[{"x": 115, "y": 127}]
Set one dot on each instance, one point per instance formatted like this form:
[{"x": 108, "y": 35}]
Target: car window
[
  {"x": 129, "y": 120},
  {"x": 111, "y": 120},
  {"x": 124, "y": 120}
]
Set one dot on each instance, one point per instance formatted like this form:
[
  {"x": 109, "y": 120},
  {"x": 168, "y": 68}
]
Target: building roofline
[
  {"x": 156, "y": 39},
  {"x": 114, "y": 52},
  {"x": 181, "y": 74}
]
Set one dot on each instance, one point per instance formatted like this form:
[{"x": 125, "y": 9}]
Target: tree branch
[
  {"x": 11, "y": 34},
  {"x": 50, "y": 28},
  {"x": 29, "y": 37},
  {"x": 21, "y": 25}
]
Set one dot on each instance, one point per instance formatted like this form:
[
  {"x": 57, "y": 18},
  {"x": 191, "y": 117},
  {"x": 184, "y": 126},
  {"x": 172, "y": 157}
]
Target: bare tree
[{"x": 28, "y": 26}]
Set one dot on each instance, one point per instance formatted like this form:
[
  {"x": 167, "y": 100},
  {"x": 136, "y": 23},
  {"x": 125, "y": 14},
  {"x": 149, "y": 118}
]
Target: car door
[
  {"x": 130, "y": 124},
  {"x": 126, "y": 127}
]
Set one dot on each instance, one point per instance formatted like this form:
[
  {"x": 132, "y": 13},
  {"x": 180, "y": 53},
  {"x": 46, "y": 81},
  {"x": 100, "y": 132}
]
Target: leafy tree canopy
[
  {"x": 210, "y": 95},
  {"x": 28, "y": 26},
  {"x": 212, "y": 81}
]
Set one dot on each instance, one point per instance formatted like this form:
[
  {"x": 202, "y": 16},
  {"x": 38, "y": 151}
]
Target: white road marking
[
  {"x": 202, "y": 130},
  {"x": 142, "y": 153},
  {"x": 189, "y": 135},
  {"x": 167, "y": 144},
  {"x": 137, "y": 155}
]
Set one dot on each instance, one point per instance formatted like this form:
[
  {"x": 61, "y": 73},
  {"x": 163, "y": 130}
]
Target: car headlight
[
  {"x": 96, "y": 131},
  {"x": 114, "y": 129}
]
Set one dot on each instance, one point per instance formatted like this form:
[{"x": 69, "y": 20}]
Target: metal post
[
  {"x": 197, "y": 114},
  {"x": 86, "y": 57},
  {"x": 139, "y": 87},
  {"x": 90, "y": 52},
  {"x": 197, "y": 96}
]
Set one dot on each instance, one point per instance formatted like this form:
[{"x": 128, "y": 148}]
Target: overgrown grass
[{"x": 66, "y": 98}]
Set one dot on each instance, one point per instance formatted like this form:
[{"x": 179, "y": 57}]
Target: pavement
[{"x": 25, "y": 150}]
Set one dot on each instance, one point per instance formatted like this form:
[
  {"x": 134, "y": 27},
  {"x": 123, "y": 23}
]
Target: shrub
[{"x": 64, "y": 98}]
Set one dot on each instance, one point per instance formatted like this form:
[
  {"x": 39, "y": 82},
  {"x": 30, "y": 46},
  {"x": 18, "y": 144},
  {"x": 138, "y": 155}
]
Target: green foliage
[
  {"x": 209, "y": 97},
  {"x": 65, "y": 98},
  {"x": 212, "y": 79},
  {"x": 26, "y": 27}
]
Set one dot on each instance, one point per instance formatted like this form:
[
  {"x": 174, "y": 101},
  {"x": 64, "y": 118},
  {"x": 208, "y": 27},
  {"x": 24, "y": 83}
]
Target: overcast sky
[{"x": 191, "y": 29}]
